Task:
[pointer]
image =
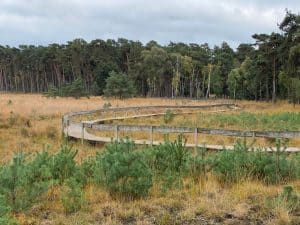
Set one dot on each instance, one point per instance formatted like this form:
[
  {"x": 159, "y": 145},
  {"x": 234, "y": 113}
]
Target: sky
[{"x": 41, "y": 22}]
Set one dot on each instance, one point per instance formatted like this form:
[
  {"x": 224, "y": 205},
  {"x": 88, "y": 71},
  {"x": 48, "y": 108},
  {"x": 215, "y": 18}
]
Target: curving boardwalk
[{"x": 80, "y": 130}]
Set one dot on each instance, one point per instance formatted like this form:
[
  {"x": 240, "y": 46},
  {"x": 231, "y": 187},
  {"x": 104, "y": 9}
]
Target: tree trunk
[
  {"x": 208, "y": 85},
  {"x": 274, "y": 81}
]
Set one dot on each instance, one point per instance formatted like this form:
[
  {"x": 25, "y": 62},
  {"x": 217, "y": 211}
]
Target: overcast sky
[{"x": 41, "y": 22}]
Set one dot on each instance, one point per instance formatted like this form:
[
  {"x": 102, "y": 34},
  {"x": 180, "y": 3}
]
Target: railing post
[
  {"x": 63, "y": 126},
  {"x": 82, "y": 133},
  {"x": 116, "y": 132},
  {"x": 151, "y": 135},
  {"x": 196, "y": 138},
  {"x": 68, "y": 125}
]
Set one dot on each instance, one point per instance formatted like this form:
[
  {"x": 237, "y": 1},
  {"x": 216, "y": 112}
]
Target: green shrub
[
  {"x": 169, "y": 116},
  {"x": 39, "y": 168},
  {"x": 291, "y": 197},
  {"x": 122, "y": 170},
  {"x": 106, "y": 105},
  {"x": 119, "y": 85},
  {"x": 12, "y": 119},
  {"x": 169, "y": 162},
  {"x": 288, "y": 198},
  {"x": 19, "y": 184},
  {"x": 232, "y": 166},
  {"x": 74, "y": 89},
  {"x": 241, "y": 163},
  {"x": 5, "y": 210},
  {"x": 63, "y": 164},
  {"x": 85, "y": 172},
  {"x": 72, "y": 196},
  {"x": 199, "y": 164}
]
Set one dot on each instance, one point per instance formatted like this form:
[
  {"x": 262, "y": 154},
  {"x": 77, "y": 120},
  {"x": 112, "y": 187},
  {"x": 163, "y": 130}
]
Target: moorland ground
[{"x": 29, "y": 122}]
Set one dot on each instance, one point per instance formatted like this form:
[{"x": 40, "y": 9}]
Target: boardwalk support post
[
  {"x": 116, "y": 132},
  {"x": 196, "y": 137},
  {"x": 151, "y": 135},
  {"x": 62, "y": 125},
  {"x": 68, "y": 125},
  {"x": 253, "y": 136},
  {"x": 82, "y": 133}
]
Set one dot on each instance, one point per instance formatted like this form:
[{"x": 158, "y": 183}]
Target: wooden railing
[{"x": 79, "y": 129}]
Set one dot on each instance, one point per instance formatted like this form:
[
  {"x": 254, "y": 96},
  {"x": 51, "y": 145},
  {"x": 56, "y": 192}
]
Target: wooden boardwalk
[{"x": 79, "y": 130}]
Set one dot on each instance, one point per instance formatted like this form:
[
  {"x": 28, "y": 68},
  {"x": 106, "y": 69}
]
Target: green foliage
[
  {"x": 243, "y": 82},
  {"x": 75, "y": 89},
  {"x": 84, "y": 173},
  {"x": 243, "y": 163},
  {"x": 252, "y": 121},
  {"x": 199, "y": 164},
  {"x": 63, "y": 164},
  {"x": 173, "y": 70},
  {"x": 20, "y": 184},
  {"x": 119, "y": 85},
  {"x": 5, "y": 210},
  {"x": 72, "y": 196},
  {"x": 291, "y": 197},
  {"x": 168, "y": 116},
  {"x": 106, "y": 105},
  {"x": 122, "y": 170},
  {"x": 169, "y": 162},
  {"x": 288, "y": 198}
]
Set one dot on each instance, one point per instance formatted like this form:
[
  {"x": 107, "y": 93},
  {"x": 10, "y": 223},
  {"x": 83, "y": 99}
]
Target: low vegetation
[
  {"x": 74, "y": 89},
  {"x": 45, "y": 181},
  {"x": 126, "y": 171}
]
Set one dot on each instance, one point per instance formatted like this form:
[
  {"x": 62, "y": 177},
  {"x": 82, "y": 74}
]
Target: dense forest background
[{"x": 268, "y": 69}]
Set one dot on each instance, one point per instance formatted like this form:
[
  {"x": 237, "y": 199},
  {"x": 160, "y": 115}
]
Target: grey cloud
[{"x": 43, "y": 22}]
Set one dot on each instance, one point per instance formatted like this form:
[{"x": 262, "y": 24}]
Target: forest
[{"x": 267, "y": 69}]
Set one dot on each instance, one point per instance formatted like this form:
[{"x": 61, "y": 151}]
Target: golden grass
[{"x": 38, "y": 123}]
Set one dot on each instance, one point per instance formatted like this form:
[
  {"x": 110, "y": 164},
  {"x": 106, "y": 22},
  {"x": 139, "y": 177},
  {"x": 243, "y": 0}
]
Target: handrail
[{"x": 78, "y": 129}]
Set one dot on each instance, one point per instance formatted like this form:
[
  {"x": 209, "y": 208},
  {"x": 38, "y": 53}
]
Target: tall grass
[
  {"x": 249, "y": 121},
  {"x": 125, "y": 170}
]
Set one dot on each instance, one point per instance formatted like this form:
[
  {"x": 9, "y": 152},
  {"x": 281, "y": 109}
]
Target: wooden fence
[{"x": 75, "y": 129}]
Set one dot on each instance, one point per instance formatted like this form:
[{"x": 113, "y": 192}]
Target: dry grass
[{"x": 37, "y": 123}]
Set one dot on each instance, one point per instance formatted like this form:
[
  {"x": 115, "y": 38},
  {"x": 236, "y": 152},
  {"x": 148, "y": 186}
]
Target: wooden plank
[
  {"x": 74, "y": 131},
  {"x": 77, "y": 129},
  {"x": 167, "y": 129}
]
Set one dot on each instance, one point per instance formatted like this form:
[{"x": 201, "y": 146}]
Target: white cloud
[{"x": 42, "y": 22}]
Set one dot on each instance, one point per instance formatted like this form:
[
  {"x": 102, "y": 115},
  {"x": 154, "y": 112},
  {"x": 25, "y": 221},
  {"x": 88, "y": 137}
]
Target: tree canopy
[{"x": 267, "y": 69}]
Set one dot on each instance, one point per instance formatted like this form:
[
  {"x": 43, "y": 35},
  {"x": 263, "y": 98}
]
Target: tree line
[{"x": 267, "y": 69}]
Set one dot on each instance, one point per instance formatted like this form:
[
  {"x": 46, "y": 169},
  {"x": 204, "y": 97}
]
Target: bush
[
  {"x": 106, "y": 105},
  {"x": 288, "y": 198},
  {"x": 72, "y": 196},
  {"x": 199, "y": 164},
  {"x": 63, "y": 164},
  {"x": 169, "y": 116},
  {"x": 19, "y": 184},
  {"x": 12, "y": 120},
  {"x": 85, "y": 171},
  {"x": 291, "y": 197},
  {"x": 169, "y": 162},
  {"x": 122, "y": 170},
  {"x": 241, "y": 163},
  {"x": 119, "y": 85},
  {"x": 5, "y": 219},
  {"x": 75, "y": 89}
]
